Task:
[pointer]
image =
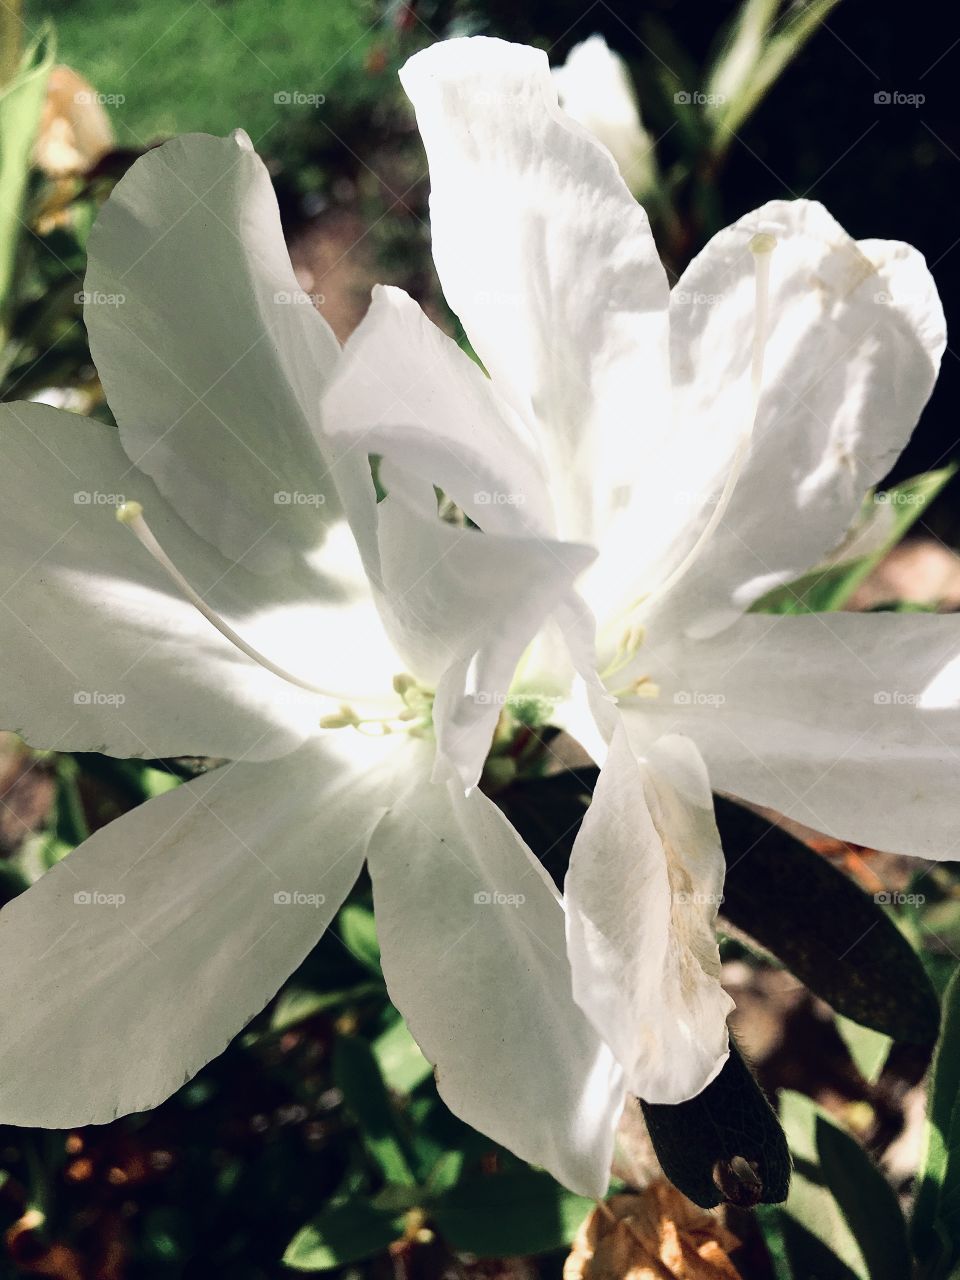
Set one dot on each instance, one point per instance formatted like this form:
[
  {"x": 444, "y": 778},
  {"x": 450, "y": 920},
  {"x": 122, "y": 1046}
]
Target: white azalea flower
[
  {"x": 596, "y": 90},
  {"x": 711, "y": 442},
  {"x": 234, "y": 625}
]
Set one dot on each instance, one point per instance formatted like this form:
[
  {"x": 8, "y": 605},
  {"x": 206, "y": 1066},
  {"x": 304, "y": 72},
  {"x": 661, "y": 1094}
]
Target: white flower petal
[
  {"x": 100, "y": 652},
  {"x": 136, "y": 959},
  {"x": 213, "y": 359},
  {"x": 642, "y": 892},
  {"x": 849, "y": 723},
  {"x": 549, "y": 262},
  {"x": 406, "y": 390},
  {"x": 855, "y": 338},
  {"x": 471, "y": 936},
  {"x": 595, "y": 90}
]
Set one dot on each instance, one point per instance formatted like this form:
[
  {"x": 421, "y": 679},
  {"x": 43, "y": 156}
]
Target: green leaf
[
  {"x": 343, "y": 1233},
  {"x": 673, "y": 75},
  {"x": 842, "y": 1218},
  {"x": 509, "y": 1213},
  {"x": 446, "y": 1172},
  {"x": 11, "y": 28},
  {"x": 358, "y": 929},
  {"x": 21, "y": 102},
  {"x": 398, "y": 1055},
  {"x": 297, "y": 1004},
  {"x": 885, "y": 520},
  {"x": 839, "y": 942},
  {"x": 358, "y": 1077},
  {"x": 768, "y": 60},
  {"x": 868, "y": 1049},
  {"x": 730, "y": 1118},
  {"x": 741, "y": 49},
  {"x": 71, "y": 822},
  {"x": 939, "y": 1168}
]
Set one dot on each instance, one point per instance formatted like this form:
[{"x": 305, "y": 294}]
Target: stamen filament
[{"x": 131, "y": 515}]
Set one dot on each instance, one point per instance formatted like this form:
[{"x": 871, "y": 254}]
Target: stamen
[
  {"x": 131, "y": 515},
  {"x": 761, "y": 246},
  {"x": 630, "y": 642}
]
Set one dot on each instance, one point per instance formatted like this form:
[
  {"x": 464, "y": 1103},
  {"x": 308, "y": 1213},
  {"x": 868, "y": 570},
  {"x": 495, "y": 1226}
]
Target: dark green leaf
[
  {"x": 342, "y": 1233},
  {"x": 730, "y": 1120},
  {"x": 839, "y": 942},
  {"x": 842, "y": 1218},
  {"x": 358, "y": 1077},
  {"x": 509, "y": 1213},
  {"x": 938, "y": 1194}
]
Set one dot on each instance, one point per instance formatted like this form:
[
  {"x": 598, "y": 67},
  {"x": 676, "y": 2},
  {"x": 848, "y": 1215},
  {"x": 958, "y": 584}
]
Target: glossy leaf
[
  {"x": 729, "y": 1121},
  {"x": 833, "y": 937}
]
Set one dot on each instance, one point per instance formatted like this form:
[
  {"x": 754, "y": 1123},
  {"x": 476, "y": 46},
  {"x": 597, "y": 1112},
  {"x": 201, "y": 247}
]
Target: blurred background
[{"x": 318, "y": 1137}]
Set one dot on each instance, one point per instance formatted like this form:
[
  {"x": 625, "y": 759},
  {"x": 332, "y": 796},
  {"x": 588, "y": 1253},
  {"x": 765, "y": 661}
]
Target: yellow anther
[
  {"x": 763, "y": 242},
  {"x": 127, "y": 512}
]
